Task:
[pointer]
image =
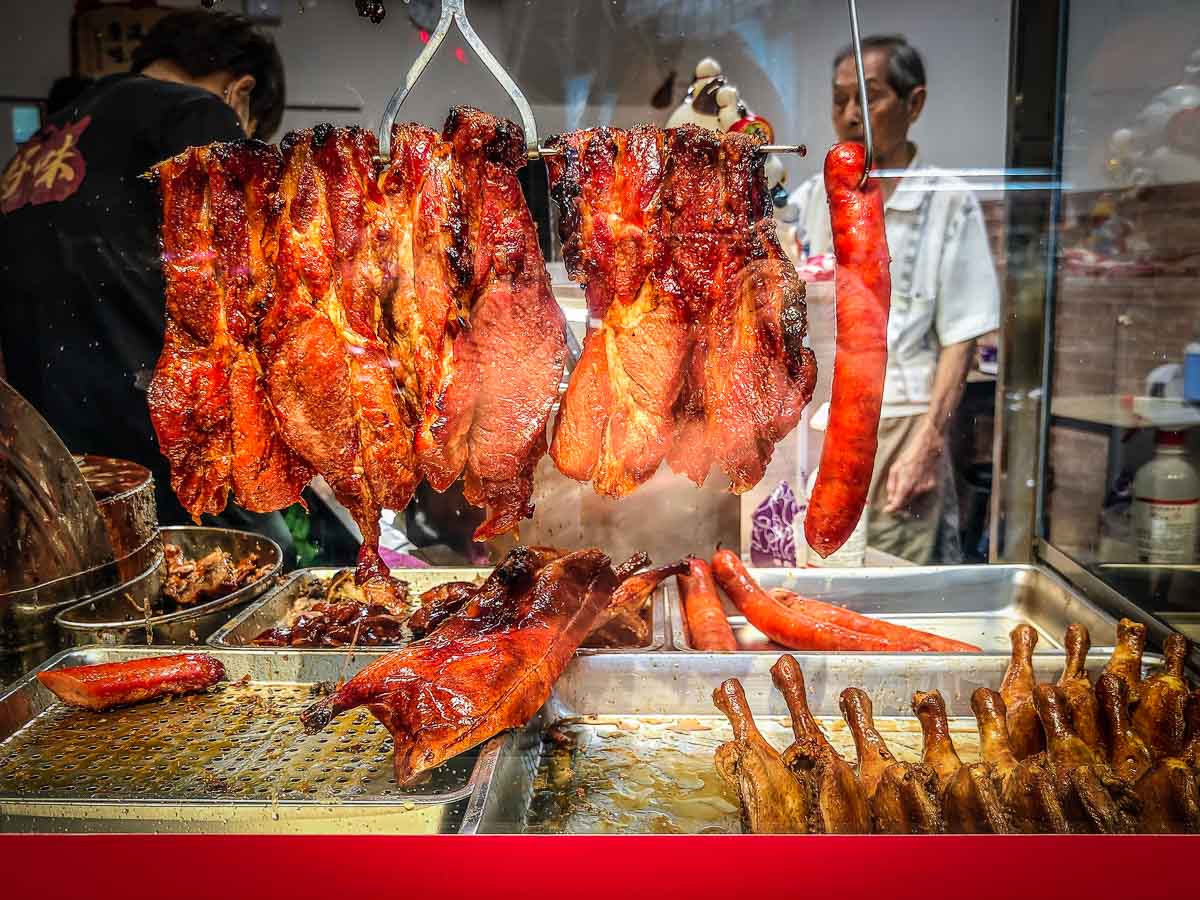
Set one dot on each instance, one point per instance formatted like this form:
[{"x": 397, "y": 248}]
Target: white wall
[
  {"x": 589, "y": 61},
  {"x": 1120, "y": 54}
]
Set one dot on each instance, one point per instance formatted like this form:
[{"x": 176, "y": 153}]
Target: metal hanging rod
[
  {"x": 863, "y": 103},
  {"x": 454, "y": 11},
  {"x": 798, "y": 149}
]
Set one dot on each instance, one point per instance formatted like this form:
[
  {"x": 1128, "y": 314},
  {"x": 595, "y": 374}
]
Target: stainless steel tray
[
  {"x": 1186, "y": 623},
  {"x": 977, "y": 604},
  {"x": 114, "y": 617},
  {"x": 274, "y": 608},
  {"x": 654, "y": 727},
  {"x": 233, "y": 760}
]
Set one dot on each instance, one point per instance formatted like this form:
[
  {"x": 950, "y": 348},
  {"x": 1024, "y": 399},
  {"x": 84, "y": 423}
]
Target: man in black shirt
[{"x": 81, "y": 288}]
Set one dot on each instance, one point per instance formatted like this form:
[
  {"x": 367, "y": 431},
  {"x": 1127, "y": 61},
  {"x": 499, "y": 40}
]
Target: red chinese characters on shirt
[{"x": 48, "y": 167}]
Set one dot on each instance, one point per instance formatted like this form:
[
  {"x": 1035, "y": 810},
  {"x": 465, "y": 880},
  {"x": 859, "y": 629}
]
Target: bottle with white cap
[{"x": 1166, "y": 503}]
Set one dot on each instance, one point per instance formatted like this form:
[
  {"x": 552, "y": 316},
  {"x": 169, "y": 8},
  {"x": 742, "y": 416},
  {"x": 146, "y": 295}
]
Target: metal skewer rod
[
  {"x": 454, "y": 11},
  {"x": 799, "y": 149},
  {"x": 863, "y": 102}
]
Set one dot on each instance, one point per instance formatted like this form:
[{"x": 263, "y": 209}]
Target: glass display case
[{"x": 507, "y": 481}]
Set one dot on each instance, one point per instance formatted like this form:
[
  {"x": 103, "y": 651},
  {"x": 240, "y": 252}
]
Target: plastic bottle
[
  {"x": 1166, "y": 503},
  {"x": 1191, "y": 372},
  {"x": 852, "y": 553}
]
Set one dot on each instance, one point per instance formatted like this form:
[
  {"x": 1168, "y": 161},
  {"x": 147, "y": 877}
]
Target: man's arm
[{"x": 915, "y": 470}]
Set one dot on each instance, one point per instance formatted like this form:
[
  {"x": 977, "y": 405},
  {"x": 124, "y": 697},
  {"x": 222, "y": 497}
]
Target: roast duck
[
  {"x": 1115, "y": 757},
  {"x": 489, "y": 663},
  {"x": 379, "y": 322}
]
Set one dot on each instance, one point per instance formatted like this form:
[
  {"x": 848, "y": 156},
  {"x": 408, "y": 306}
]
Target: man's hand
[{"x": 915, "y": 471}]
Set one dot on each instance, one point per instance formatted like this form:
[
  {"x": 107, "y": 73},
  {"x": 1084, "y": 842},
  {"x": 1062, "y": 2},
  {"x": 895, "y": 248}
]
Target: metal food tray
[
  {"x": 976, "y": 604},
  {"x": 274, "y": 608},
  {"x": 644, "y": 694},
  {"x": 115, "y": 617},
  {"x": 233, "y": 760}
]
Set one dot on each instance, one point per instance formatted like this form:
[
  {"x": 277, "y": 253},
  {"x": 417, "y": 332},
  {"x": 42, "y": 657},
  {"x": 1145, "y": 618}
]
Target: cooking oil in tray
[{"x": 655, "y": 774}]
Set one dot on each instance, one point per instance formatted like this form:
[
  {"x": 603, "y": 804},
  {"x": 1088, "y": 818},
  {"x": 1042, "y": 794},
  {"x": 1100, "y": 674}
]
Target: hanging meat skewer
[
  {"x": 208, "y": 401},
  {"x": 493, "y": 406},
  {"x": 371, "y": 325},
  {"x": 698, "y": 355},
  {"x": 616, "y": 421},
  {"x": 327, "y": 368}
]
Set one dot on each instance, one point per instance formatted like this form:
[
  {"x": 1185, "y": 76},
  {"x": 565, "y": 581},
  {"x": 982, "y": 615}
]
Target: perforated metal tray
[
  {"x": 232, "y": 760},
  {"x": 275, "y": 608},
  {"x": 977, "y": 604}
]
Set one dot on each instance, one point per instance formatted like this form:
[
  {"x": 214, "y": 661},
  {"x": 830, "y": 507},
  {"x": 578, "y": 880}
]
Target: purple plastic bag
[{"x": 772, "y": 536}]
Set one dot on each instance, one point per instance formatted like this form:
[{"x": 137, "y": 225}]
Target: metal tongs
[{"x": 454, "y": 11}]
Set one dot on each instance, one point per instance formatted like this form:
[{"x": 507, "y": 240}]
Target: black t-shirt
[{"x": 81, "y": 289}]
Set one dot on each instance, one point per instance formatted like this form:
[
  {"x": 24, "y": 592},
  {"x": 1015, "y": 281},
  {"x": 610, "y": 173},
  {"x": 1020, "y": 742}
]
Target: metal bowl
[{"x": 119, "y": 615}]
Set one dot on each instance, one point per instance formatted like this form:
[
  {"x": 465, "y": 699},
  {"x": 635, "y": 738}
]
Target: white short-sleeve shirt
[{"x": 944, "y": 286}]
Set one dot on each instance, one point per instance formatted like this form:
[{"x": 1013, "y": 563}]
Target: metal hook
[
  {"x": 455, "y": 11},
  {"x": 864, "y": 104}
]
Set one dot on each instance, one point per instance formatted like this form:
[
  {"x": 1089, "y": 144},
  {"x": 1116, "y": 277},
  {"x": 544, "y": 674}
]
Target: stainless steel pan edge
[
  {"x": 272, "y": 608},
  {"x": 1018, "y": 592}
]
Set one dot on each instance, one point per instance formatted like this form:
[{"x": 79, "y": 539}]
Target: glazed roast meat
[
  {"x": 698, "y": 353},
  {"x": 208, "y": 397},
  {"x": 508, "y": 364},
  {"x": 379, "y": 322},
  {"x": 374, "y": 324},
  {"x": 489, "y": 666},
  {"x": 328, "y": 372},
  {"x": 1106, "y": 763}
]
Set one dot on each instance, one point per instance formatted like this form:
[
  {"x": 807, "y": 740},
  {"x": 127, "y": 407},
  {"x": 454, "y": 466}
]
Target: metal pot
[{"x": 135, "y": 612}]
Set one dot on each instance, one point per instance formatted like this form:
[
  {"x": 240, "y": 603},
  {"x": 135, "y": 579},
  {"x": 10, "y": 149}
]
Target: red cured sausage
[
  {"x": 706, "y": 619},
  {"x": 787, "y": 626},
  {"x": 119, "y": 684},
  {"x": 863, "y": 287},
  {"x": 846, "y": 618}
]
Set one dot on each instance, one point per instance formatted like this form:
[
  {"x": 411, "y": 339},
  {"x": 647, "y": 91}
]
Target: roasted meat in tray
[
  {"x": 216, "y": 574},
  {"x": 489, "y": 666},
  {"x": 1064, "y": 774}
]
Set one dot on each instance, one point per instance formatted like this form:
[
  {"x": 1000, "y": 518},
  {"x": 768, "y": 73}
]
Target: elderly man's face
[{"x": 890, "y": 115}]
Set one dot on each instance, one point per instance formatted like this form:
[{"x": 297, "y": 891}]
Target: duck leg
[
  {"x": 1126, "y": 659},
  {"x": 1081, "y": 698},
  {"x": 970, "y": 794},
  {"x": 1083, "y": 780},
  {"x": 903, "y": 796},
  {"x": 1028, "y": 789},
  {"x": 1130, "y": 757},
  {"x": 1024, "y": 731},
  {"x": 1170, "y": 798},
  {"x": 1191, "y": 751},
  {"x": 841, "y": 805},
  {"x": 1160, "y": 718},
  {"x": 773, "y": 799}
]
